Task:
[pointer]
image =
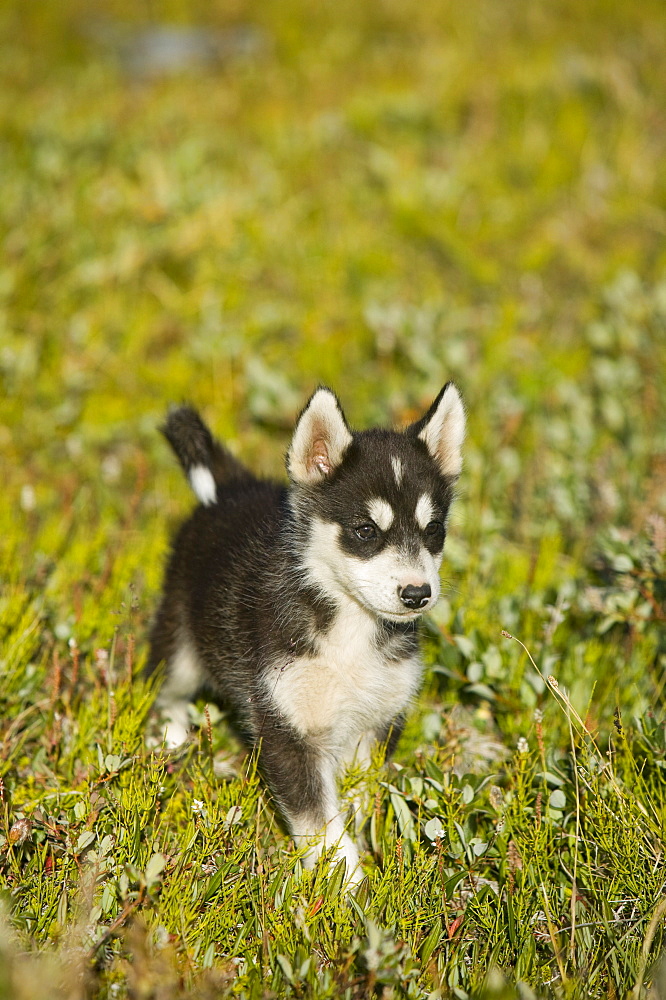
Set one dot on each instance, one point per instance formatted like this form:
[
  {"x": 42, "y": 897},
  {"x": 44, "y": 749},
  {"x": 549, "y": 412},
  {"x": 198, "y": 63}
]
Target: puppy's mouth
[
  {"x": 404, "y": 615},
  {"x": 401, "y": 616},
  {"x": 398, "y": 613}
]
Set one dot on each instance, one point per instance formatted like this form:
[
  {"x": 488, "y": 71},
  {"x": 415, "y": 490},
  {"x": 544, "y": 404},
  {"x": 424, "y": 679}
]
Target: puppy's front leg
[
  {"x": 320, "y": 825},
  {"x": 361, "y": 760},
  {"x": 302, "y": 778}
]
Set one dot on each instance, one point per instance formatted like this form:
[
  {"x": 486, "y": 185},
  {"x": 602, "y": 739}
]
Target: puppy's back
[{"x": 217, "y": 576}]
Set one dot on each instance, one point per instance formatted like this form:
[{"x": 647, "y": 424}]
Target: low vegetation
[{"x": 379, "y": 197}]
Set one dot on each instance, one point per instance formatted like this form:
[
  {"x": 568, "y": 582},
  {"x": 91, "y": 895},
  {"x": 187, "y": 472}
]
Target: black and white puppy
[{"x": 297, "y": 606}]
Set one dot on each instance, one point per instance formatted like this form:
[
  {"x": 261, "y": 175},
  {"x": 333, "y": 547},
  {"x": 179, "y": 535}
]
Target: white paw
[
  {"x": 345, "y": 849},
  {"x": 175, "y": 734},
  {"x": 354, "y": 873},
  {"x": 353, "y": 877}
]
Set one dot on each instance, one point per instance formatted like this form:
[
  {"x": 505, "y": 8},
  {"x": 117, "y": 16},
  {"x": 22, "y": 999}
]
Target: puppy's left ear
[
  {"x": 320, "y": 440},
  {"x": 443, "y": 430}
]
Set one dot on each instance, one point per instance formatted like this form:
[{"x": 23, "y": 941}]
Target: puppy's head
[{"x": 374, "y": 504}]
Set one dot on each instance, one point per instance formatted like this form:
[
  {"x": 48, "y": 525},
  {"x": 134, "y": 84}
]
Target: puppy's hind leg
[{"x": 183, "y": 681}]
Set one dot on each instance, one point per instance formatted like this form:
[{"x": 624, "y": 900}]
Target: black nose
[{"x": 415, "y": 597}]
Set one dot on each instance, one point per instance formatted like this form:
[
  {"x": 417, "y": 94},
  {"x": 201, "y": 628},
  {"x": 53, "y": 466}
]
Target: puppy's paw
[{"x": 174, "y": 734}]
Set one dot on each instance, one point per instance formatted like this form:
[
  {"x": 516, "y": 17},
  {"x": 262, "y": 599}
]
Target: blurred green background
[
  {"x": 379, "y": 196},
  {"x": 229, "y": 203}
]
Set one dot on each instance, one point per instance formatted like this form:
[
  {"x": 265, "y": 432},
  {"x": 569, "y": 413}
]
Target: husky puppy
[{"x": 297, "y": 606}]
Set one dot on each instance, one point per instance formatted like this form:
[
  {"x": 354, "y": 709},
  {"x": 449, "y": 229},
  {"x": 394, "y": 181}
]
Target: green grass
[{"x": 380, "y": 197}]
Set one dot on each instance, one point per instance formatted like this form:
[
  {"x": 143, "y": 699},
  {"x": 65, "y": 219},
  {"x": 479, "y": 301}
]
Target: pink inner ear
[{"x": 319, "y": 458}]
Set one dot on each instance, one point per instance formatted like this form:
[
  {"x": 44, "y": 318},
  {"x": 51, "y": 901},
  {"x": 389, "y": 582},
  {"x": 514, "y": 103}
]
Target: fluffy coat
[{"x": 297, "y": 606}]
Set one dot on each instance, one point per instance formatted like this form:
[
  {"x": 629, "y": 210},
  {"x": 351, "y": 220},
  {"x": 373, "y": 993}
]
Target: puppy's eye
[
  {"x": 433, "y": 529},
  {"x": 366, "y": 532}
]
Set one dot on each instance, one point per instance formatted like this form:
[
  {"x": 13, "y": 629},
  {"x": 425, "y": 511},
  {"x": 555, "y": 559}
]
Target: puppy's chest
[{"x": 351, "y": 685}]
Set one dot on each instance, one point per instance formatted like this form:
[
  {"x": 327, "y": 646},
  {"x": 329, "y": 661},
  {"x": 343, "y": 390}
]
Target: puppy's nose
[{"x": 415, "y": 597}]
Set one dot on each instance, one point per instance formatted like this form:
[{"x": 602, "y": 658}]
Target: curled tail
[{"x": 206, "y": 463}]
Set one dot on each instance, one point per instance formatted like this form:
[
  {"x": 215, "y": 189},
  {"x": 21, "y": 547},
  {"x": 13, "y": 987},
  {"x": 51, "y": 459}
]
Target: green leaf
[
  {"x": 434, "y": 772},
  {"x": 63, "y": 905},
  {"x": 136, "y": 839},
  {"x": 431, "y": 942},
  {"x": 622, "y": 563},
  {"x": 85, "y": 840},
  {"x": 213, "y": 885},
  {"x": 106, "y": 845},
  {"x": 451, "y": 883},
  {"x": 481, "y": 691},
  {"x": 479, "y": 847},
  {"x": 510, "y": 920},
  {"x": 355, "y": 905},
  {"x": 557, "y": 799},
  {"x": 466, "y": 646},
  {"x": 475, "y": 671},
  {"x": 285, "y": 965},
  {"x": 403, "y": 816},
  {"x": 550, "y": 778},
  {"x": 108, "y": 897},
  {"x": 434, "y": 828},
  {"x": 305, "y": 968},
  {"x": 155, "y": 867},
  {"x": 336, "y": 879}
]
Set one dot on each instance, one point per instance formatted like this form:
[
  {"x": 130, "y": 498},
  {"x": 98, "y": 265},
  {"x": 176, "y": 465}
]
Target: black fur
[
  {"x": 232, "y": 584},
  {"x": 194, "y": 445},
  {"x": 362, "y": 476}
]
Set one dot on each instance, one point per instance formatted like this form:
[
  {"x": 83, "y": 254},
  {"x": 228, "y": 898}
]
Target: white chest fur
[{"x": 348, "y": 688}]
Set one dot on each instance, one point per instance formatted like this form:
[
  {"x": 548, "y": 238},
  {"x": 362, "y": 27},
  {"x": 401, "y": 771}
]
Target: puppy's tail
[{"x": 206, "y": 463}]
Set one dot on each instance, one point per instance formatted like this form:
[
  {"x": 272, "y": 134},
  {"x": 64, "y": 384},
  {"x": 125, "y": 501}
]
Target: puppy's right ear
[{"x": 320, "y": 440}]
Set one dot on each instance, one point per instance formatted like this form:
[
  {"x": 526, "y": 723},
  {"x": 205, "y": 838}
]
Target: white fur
[
  {"x": 182, "y": 683},
  {"x": 357, "y": 694},
  {"x": 425, "y": 511},
  {"x": 381, "y": 513},
  {"x": 377, "y": 582},
  {"x": 320, "y": 440},
  {"x": 445, "y": 432},
  {"x": 397, "y": 469},
  {"x": 309, "y": 833},
  {"x": 203, "y": 484},
  {"x": 374, "y": 583},
  {"x": 361, "y": 758},
  {"x": 357, "y": 689}
]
